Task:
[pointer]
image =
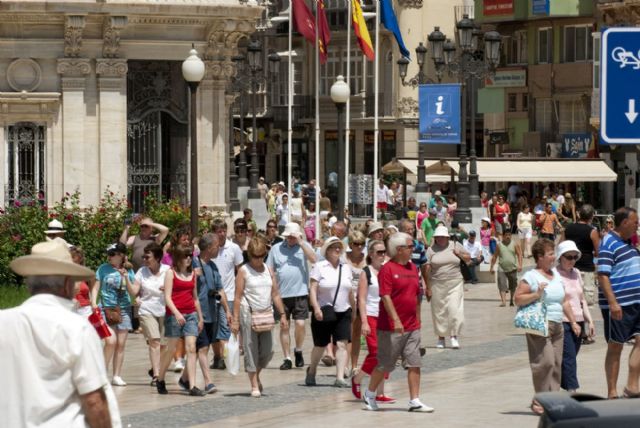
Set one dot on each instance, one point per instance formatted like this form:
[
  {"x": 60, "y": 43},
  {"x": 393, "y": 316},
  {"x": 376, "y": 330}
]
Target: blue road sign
[
  {"x": 620, "y": 86},
  {"x": 439, "y": 107}
]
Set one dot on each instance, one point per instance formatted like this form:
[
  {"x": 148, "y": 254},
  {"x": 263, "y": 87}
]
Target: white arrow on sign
[{"x": 631, "y": 114}]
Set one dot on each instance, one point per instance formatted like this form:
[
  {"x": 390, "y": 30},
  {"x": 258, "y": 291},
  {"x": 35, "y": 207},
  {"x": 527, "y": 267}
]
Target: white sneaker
[
  {"x": 418, "y": 406},
  {"x": 179, "y": 365},
  {"x": 454, "y": 343},
  {"x": 117, "y": 381},
  {"x": 440, "y": 344},
  {"x": 370, "y": 403}
]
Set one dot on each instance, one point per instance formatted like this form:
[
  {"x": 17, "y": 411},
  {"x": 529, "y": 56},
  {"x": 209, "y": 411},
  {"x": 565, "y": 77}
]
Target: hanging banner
[{"x": 439, "y": 110}]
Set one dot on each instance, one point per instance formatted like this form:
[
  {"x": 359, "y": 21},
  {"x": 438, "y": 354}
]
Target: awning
[{"x": 503, "y": 170}]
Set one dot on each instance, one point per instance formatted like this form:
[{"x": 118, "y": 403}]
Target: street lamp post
[
  {"x": 193, "y": 72},
  {"x": 340, "y": 93},
  {"x": 234, "y": 202},
  {"x": 472, "y": 62},
  {"x": 418, "y": 79}
]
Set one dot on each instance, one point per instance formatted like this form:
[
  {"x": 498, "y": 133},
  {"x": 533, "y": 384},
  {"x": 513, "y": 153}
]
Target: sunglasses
[
  {"x": 381, "y": 252},
  {"x": 259, "y": 256},
  {"x": 357, "y": 244},
  {"x": 572, "y": 258},
  {"x": 241, "y": 230},
  {"x": 271, "y": 227}
]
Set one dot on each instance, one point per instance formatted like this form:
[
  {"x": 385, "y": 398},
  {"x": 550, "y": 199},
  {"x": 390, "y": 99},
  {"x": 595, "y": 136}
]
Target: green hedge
[{"x": 93, "y": 228}]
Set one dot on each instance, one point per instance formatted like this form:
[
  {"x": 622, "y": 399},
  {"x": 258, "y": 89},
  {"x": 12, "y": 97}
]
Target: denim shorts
[
  {"x": 173, "y": 329},
  {"x": 223, "y": 330},
  {"x": 125, "y": 323}
]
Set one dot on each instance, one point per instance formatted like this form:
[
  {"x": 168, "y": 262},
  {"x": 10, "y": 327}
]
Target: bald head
[{"x": 339, "y": 229}]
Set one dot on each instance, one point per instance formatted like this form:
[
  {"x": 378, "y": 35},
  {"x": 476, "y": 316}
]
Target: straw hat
[
  {"x": 329, "y": 242},
  {"x": 54, "y": 227},
  {"x": 49, "y": 258},
  {"x": 292, "y": 229},
  {"x": 441, "y": 231},
  {"x": 566, "y": 247}
]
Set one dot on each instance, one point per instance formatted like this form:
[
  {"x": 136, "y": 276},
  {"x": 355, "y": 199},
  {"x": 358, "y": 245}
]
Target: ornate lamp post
[
  {"x": 193, "y": 72},
  {"x": 468, "y": 62},
  {"x": 418, "y": 79},
  {"x": 254, "y": 56},
  {"x": 340, "y": 93}
]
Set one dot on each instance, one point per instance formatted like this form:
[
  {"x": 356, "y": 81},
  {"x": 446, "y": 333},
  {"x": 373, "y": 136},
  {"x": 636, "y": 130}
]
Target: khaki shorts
[
  {"x": 393, "y": 345},
  {"x": 152, "y": 327}
]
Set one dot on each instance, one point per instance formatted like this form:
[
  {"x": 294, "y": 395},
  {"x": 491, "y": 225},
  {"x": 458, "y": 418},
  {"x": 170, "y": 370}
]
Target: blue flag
[{"x": 389, "y": 20}]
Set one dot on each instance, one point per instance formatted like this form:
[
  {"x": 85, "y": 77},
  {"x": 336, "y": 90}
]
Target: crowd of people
[{"x": 369, "y": 279}]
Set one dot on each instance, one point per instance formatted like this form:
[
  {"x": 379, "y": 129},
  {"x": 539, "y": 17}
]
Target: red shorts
[{"x": 382, "y": 205}]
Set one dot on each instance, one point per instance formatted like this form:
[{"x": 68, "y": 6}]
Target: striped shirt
[{"x": 621, "y": 263}]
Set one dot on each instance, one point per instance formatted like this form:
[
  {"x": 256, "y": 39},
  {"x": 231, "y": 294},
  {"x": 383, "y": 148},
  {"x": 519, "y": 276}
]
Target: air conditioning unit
[{"x": 553, "y": 150}]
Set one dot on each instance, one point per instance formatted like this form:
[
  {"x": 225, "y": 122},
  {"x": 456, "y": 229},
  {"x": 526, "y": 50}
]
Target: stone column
[
  {"x": 112, "y": 124},
  {"x": 3, "y": 162},
  {"x": 73, "y": 73},
  {"x": 213, "y": 124}
]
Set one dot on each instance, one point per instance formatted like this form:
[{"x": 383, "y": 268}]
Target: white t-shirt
[
  {"x": 295, "y": 208},
  {"x": 228, "y": 258},
  {"x": 373, "y": 295},
  {"x": 474, "y": 249},
  {"x": 282, "y": 212},
  {"x": 382, "y": 194},
  {"x": 327, "y": 277},
  {"x": 51, "y": 357},
  {"x": 151, "y": 296}
]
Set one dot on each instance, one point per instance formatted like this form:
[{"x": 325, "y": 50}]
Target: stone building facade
[{"x": 92, "y": 97}]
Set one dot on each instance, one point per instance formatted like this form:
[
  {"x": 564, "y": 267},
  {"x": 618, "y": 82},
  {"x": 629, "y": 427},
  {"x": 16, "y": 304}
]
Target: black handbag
[{"x": 328, "y": 311}]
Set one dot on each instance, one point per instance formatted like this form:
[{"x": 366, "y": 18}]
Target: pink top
[
  {"x": 485, "y": 237},
  {"x": 573, "y": 292},
  {"x": 420, "y": 216}
]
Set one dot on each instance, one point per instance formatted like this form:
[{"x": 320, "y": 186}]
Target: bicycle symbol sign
[{"x": 620, "y": 86}]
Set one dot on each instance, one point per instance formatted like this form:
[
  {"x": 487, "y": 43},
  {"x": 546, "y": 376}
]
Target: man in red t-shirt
[{"x": 398, "y": 321}]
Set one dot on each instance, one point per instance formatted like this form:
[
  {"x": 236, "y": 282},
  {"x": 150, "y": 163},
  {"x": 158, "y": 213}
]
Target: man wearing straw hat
[
  {"x": 55, "y": 369},
  {"x": 288, "y": 260}
]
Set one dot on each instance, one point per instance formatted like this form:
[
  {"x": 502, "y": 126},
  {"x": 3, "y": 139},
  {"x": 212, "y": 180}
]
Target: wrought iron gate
[{"x": 157, "y": 132}]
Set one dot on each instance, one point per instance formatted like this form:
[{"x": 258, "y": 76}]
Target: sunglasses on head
[{"x": 573, "y": 258}]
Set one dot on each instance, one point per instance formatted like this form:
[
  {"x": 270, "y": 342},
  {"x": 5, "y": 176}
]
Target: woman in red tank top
[{"x": 183, "y": 317}]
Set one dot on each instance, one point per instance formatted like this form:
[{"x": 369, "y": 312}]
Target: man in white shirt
[
  {"x": 474, "y": 248},
  {"x": 54, "y": 369},
  {"x": 228, "y": 261},
  {"x": 382, "y": 197}
]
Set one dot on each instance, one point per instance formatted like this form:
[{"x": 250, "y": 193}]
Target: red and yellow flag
[
  {"x": 304, "y": 20},
  {"x": 324, "y": 34},
  {"x": 361, "y": 30}
]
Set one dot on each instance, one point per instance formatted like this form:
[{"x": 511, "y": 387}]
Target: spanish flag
[{"x": 361, "y": 30}]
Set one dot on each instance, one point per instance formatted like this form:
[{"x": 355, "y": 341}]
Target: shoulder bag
[
  {"x": 532, "y": 318},
  {"x": 328, "y": 311}
]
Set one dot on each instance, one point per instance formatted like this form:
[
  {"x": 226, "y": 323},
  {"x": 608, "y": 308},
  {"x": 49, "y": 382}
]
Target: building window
[
  {"x": 336, "y": 11},
  {"x": 578, "y": 43},
  {"x": 25, "y": 163},
  {"x": 525, "y": 102},
  {"x": 513, "y": 102},
  {"x": 545, "y": 46},
  {"x": 572, "y": 116},
  {"x": 515, "y": 48},
  {"x": 336, "y": 65},
  {"x": 544, "y": 112},
  {"x": 279, "y": 88}
]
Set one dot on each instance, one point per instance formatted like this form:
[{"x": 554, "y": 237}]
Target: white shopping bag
[{"x": 232, "y": 355}]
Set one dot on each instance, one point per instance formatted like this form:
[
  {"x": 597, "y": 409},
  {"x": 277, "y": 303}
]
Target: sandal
[
  {"x": 629, "y": 394},
  {"x": 536, "y": 408}
]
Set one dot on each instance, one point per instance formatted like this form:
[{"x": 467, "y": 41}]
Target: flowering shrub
[{"x": 93, "y": 228}]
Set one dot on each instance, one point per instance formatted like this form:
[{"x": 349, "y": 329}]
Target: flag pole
[
  {"x": 290, "y": 102},
  {"x": 347, "y": 130},
  {"x": 317, "y": 127},
  {"x": 375, "y": 111}
]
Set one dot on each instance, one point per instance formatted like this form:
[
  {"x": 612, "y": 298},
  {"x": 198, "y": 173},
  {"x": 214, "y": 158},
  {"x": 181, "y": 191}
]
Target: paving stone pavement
[{"x": 485, "y": 383}]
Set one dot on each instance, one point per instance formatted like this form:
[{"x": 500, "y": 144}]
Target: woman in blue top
[
  {"x": 545, "y": 353},
  {"x": 114, "y": 281}
]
